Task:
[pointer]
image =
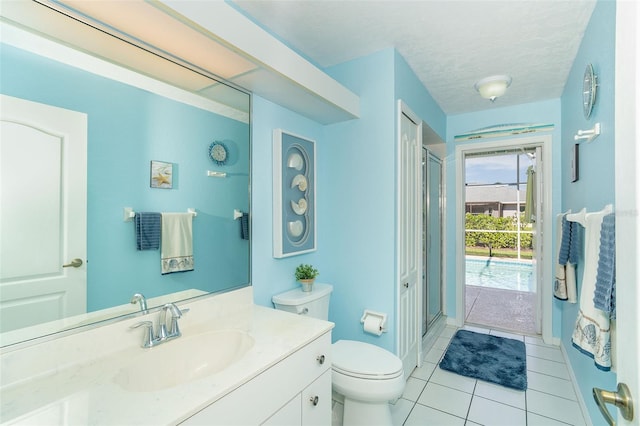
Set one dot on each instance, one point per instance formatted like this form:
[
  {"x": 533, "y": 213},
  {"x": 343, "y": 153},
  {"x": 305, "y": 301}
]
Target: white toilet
[{"x": 366, "y": 375}]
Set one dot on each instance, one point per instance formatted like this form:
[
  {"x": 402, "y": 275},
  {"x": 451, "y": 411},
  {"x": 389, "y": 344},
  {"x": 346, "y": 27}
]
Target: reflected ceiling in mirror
[{"x": 141, "y": 105}]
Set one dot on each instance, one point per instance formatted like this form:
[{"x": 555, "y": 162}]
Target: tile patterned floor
[{"x": 437, "y": 397}]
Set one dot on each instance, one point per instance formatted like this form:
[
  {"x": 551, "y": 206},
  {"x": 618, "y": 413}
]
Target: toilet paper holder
[{"x": 378, "y": 315}]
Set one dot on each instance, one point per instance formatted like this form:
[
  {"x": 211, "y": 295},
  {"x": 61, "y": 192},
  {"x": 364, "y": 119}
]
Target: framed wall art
[
  {"x": 161, "y": 175},
  {"x": 294, "y": 197}
]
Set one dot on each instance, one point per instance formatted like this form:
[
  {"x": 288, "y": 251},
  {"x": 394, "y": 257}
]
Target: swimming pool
[{"x": 500, "y": 274}]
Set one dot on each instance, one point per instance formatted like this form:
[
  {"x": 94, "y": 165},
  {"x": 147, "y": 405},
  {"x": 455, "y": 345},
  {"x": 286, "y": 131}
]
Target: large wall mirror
[{"x": 72, "y": 93}]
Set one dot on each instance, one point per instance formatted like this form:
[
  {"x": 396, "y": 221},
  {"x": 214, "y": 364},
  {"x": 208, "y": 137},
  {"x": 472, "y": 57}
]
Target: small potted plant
[{"x": 305, "y": 275}]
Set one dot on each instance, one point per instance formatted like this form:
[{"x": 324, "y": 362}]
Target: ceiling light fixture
[{"x": 493, "y": 87}]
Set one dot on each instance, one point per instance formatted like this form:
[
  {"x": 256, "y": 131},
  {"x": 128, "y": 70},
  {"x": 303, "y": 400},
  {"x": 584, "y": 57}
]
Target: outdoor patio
[{"x": 505, "y": 309}]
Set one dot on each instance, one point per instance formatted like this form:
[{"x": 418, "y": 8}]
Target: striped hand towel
[
  {"x": 604, "y": 297},
  {"x": 565, "y": 241},
  {"x": 244, "y": 226},
  {"x": 147, "y": 227}
]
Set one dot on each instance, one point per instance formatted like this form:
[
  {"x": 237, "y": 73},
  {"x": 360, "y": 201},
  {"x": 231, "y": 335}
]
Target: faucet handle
[
  {"x": 162, "y": 325},
  {"x": 147, "y": 340},
  {"x": 176, "y": 313}
]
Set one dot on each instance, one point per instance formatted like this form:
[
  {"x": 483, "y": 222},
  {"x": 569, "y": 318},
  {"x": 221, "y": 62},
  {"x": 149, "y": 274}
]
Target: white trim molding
[{"x": 543, "y": 141}]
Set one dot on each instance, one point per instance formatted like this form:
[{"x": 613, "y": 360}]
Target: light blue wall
[
  {"x": 596, "y": 185},
  {"x": 355, "y": 204},
  {"x": 356, "y": 168},
  {"x": 269, "y": 275},
  {"x": 544, "y": 112},
  {"x": 360, "y": 200},
  {"x": 121, "y": 144},
  {"x": 415, "y": 95}
]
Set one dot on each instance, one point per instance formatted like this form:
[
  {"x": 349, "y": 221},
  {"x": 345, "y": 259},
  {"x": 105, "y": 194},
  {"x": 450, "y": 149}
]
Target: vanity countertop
[{"x": 71, "y": 380}]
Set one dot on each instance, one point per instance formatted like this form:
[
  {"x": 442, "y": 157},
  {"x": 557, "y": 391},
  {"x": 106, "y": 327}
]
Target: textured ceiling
[{"x": 449, "y": 44}]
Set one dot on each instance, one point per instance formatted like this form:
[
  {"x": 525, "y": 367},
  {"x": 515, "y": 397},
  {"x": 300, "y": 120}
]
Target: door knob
[
  {"x": 621, "y": 399},
  {"x": 75, "y": 263}
]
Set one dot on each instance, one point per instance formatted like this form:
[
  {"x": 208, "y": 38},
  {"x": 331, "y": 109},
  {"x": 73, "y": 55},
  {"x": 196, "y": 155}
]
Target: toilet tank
[{"x": 313, "y": 303}]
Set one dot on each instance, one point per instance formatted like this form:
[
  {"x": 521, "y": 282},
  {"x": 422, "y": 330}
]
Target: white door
[
  {"x": 43, "y": 164},
  {"x": 627, "y": 207},
  {"x": 409, "y": 239}
]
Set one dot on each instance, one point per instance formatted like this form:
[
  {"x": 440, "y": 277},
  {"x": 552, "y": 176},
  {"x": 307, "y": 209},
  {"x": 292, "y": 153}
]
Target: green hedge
[{"x": 496, "y": 239}]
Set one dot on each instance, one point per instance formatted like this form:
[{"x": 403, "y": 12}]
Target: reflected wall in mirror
[{"x": 131, "y": 119}]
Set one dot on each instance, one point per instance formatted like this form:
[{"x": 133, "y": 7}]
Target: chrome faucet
[
  {"x": 176, "y": 314},
  {"x": 150, "y": 340},
  {"x": 139, "y": 298}
]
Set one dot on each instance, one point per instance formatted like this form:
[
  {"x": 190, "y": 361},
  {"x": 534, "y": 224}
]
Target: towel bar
[
  {"x": 590, "y": 134},
  {"x": 129, "y": 213}
]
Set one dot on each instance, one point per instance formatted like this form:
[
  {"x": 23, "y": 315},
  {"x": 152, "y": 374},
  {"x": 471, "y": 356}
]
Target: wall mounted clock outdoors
[
  {"x": 589, "y": 85},
  {"x": 218, "y": 153}
]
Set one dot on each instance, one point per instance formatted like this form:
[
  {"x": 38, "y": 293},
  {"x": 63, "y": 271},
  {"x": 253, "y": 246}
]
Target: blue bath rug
[{"x": 490, "y": 358}]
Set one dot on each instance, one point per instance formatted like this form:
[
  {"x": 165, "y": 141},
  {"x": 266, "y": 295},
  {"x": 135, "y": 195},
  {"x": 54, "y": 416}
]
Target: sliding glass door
[{"x": 431, "y": 238}]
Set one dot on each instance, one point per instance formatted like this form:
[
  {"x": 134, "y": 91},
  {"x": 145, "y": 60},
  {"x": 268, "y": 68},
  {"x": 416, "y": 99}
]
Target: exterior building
[{"x": 495, "y": 200}]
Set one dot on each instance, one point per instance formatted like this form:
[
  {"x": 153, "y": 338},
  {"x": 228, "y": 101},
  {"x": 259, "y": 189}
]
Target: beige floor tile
[
  {"x": 422, "y": 415},
  {"x": 445, "y": 399},
  {"x": 488, "y": 412}
]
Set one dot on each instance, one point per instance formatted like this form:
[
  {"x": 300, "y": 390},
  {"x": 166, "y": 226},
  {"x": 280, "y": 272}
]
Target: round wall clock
[
  {"x": 589, "y": 85},
  {"x": 218, "y": 152}
]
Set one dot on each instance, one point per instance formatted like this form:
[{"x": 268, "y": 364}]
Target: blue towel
[
  {"x": 604, "y": 297},
  {"x": 575, "y": 248},
  {"x": 147, "y": 227},
  {"x": 570, "y": 244},
  {"x": 565, "y": 242},
  {"x": 244, "y": 226}
]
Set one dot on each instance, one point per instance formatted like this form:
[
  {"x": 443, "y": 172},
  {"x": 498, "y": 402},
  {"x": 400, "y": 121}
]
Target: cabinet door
[
  {"x": 316, "y": 401},
  {"x": 289, "y": 415},
  {"x": 274, "y": 388}
]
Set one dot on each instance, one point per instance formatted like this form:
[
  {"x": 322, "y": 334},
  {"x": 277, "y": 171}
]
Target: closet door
[{"x": 409, "y": 238}]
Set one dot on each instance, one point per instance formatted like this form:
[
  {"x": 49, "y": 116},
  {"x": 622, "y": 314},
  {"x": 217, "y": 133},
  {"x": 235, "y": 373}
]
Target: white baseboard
[
  {"x": 430, "y": 338},
  {"x": 574, "y": 381}
]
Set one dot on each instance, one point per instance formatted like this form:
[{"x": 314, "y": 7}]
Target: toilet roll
[{"x": 373, "y": 325}]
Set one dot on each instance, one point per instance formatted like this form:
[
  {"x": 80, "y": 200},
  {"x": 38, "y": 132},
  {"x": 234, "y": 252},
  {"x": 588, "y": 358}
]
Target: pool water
[{"x": 501, "y": 274}]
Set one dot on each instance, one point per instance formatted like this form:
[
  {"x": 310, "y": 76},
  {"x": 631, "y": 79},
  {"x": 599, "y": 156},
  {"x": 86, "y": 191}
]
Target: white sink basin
[{"x": 183, "y": 360}]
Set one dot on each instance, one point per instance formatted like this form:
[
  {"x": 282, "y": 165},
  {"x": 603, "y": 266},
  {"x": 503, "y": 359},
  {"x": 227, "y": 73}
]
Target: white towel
[
  {"x": 592, "y": 333},
  {"x": 177, "y": 242},
  {"x": 572, "y": 287}
]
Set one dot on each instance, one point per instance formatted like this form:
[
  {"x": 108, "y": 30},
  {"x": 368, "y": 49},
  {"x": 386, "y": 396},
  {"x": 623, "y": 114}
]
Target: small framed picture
[
  {"x": 161, "y": 175},
  {"x": 575, "y": 163}
]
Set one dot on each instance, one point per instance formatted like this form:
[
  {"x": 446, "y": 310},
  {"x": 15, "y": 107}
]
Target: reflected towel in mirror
[
  {"x": 147, "y": 228},
  {"x": 244, "y": 226},
  {"x": 177, "y": 243}
]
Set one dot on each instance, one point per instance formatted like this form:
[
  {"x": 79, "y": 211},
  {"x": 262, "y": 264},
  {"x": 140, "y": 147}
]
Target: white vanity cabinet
[
  {"x": 295, "y": 391},
  {"x": 317, "y": 411},
  {"x": 307, "y": 408}
]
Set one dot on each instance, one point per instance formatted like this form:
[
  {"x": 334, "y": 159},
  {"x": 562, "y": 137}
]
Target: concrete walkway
[{"x": 504, "y": 309}]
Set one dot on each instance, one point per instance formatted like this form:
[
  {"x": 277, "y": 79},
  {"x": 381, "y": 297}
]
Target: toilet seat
[{"x": 364, "y": 361}]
